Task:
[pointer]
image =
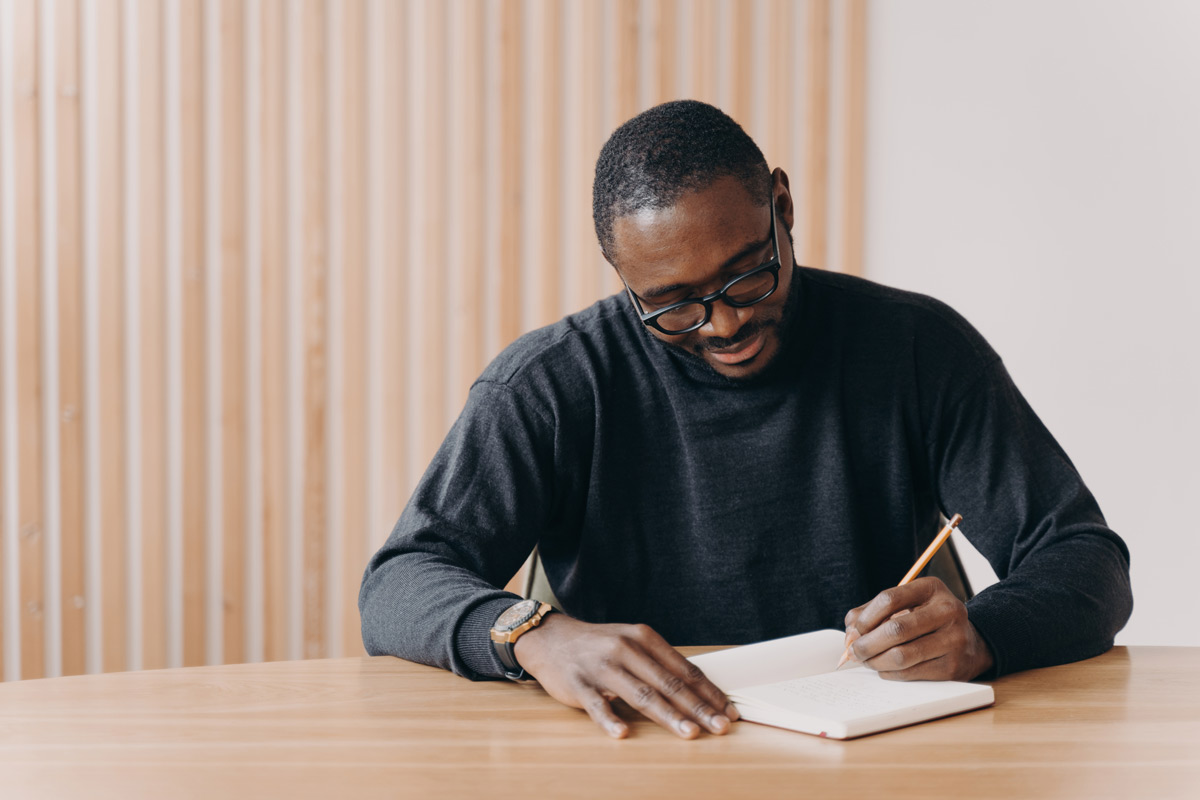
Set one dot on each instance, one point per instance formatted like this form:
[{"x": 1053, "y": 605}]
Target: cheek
[{"x": 688, "y": 341}]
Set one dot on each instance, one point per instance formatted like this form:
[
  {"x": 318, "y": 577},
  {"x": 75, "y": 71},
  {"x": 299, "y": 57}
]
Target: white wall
[{"x": 1036, "y": 164}]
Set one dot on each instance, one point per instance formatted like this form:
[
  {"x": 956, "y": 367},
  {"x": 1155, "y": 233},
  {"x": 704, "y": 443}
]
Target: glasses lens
[
  {"x": 680, "y": 319},
  {"x": 752, "y": 288}
]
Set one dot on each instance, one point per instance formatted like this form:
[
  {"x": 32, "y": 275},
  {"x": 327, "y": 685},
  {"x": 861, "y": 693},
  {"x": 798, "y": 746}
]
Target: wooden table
[{"x": 1124, "y": 725}]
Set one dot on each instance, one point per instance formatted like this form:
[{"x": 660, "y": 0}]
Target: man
[{"x": 735, "y": 449}]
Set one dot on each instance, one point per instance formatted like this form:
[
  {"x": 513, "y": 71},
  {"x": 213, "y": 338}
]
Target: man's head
[{"x": 682, "y": 203}]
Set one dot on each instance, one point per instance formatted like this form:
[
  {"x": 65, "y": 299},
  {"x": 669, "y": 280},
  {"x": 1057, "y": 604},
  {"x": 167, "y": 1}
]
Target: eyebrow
[{"x": 659, "y": 291}]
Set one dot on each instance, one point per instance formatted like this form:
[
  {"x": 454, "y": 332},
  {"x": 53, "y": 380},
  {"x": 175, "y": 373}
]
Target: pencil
[{"x": 934, "y": 546}]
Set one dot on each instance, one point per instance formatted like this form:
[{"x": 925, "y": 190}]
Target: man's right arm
[{"x": 429, "y": 595}]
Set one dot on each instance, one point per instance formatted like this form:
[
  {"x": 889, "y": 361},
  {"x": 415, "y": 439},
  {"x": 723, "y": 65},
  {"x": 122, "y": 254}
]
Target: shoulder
[
  {"x": 918, "y": 323},
  {"x": 565, "y": 363}
]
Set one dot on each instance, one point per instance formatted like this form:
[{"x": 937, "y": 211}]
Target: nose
[{"x": 726, "y": 320}]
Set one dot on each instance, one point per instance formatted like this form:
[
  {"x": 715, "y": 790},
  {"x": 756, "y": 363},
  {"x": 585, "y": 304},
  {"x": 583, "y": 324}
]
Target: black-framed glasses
[{"x": 745, "y": 290}]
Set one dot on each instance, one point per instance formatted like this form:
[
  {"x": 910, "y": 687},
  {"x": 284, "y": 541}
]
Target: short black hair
[{"x": 680, "y": 146}]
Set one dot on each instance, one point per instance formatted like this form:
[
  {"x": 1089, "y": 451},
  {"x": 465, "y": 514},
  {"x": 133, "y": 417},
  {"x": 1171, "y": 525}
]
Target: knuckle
[
  {"x": 693, "y": 673},
  {"x": 596, "y": 707},
  {"x": 896, "y": 628},
  {"x": 643, "y": 696},
  {"x": 886, "y": 597},
  {"x": 701, "y": 710},
  {"x": 641, "y": 632},
  {"x": 672, "y": 685}
]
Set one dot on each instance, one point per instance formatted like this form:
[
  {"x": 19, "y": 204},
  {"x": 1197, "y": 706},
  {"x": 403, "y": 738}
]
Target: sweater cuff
[
  {"x": 472, "y": 644},
  {"x": 1005, "y": 631}
]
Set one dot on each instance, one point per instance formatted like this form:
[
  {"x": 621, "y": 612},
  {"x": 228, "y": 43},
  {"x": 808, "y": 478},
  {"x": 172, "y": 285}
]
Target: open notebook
[{"x": 790, "y": 683}]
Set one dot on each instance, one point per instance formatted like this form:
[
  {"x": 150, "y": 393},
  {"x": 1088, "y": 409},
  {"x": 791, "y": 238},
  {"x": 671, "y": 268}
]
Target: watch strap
[
  {"x": 506, "y": 650},
  {"x": 508, "y": 657}
]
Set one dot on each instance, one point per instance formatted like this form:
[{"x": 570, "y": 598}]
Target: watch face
[{"x": 516, "y": 615}]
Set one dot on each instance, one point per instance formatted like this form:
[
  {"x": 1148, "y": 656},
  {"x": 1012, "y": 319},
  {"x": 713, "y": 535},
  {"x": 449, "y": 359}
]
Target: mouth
[{"x": 742, "y": 351}]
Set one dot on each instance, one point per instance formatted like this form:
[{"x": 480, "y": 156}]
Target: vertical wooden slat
[
  {"x": 335, "y": 289},
  {"x": 666, "y": 39},
  {"x": 109, "y": 419},
  {"x": 623, "y": 90},
  {"x": 373, "y": 47},
  {"x": 49, "y": 336},
  {"x": 195, "y": 395},
  {"x": 232, "y": 322},
  {"x": 252, "y": 446},
  {"x": 854, "y": 70},
  {"x": 465, "y": 201},
  {"x": 10, "y": 600},
  {"x": 25, "y": 125},
  {"x": 172, "y": 113},
  {"x": 778, "y": 82},
  {"x": 70, "y": 316},
  {"x": 543, "y": 161},
  {"x": 584, "y": 267},
  {"x": 353, "y": 539},
  {"x": 741, "y": 51},
  {"x": 152, "y": 344},
  {"x": 214, "y": 373},
  {"x": 93, "y": 518},
  {"x": 295, "y": 190},
  {"x": 388, "y": 231},
  {"x": 625, "y": 60},
  {"x": 315, "y": 314},
  {"x": 131, "y": 334},
  {"x": 426, "y": 300},
  {"x": 509, "y": 171},
  {"x": 274, "y": 337},
  {"x": 704, "y": 51},
  {"x": 816, "y": 168}
]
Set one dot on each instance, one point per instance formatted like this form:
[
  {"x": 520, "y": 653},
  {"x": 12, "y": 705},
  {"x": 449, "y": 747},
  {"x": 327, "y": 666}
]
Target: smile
[{"x": 741, "y": 352}]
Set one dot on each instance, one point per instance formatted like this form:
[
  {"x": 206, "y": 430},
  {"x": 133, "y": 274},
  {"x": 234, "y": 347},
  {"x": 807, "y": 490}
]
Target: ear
[{"x": 785, "y": 209}]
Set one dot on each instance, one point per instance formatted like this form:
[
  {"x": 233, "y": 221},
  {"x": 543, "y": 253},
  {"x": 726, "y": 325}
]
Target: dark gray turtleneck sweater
[{"x": 722, "y": 512}]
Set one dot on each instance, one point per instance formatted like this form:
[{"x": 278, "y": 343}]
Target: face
[{"x": 695, "y": 247}]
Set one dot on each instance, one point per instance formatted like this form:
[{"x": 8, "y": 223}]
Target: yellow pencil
[{"x": 937, "y": 542}]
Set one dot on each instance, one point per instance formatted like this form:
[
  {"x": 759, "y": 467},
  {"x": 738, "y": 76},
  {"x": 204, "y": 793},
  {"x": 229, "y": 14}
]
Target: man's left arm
[{"x": 1064, "y": 588}]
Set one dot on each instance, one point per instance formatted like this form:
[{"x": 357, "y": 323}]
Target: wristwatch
[{"x": 510, "y": 626}]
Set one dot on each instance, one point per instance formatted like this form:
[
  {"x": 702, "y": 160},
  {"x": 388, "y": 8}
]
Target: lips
[{"x": 742, "y": 351}]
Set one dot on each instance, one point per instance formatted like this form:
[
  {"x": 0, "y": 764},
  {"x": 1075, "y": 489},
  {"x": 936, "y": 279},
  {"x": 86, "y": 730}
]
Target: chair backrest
[{"x": 945, "y": 564}]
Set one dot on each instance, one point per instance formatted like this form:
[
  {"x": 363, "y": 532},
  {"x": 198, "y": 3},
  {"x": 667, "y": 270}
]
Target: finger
[
  {"x": 851, "y": 621},
  {"x": 909, "y": 654},
  {"x": 670, "y": 658},
  {"x": 601, "y": 713},
  {"x": 885, "y": 604},
  {"x": 643, "y": 697},
  {"x": 935, "y": 669},
  {"x": 903, "y": 627},
  {"x": 680, "y": 694}
]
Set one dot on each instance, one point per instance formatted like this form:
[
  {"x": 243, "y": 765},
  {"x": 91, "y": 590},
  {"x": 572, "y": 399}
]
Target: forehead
[{"x": 689, "y": 242}]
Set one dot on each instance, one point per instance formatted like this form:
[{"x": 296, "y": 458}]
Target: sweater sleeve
[
  {"x": 430, "y": 594},
  {"x": 1064, "y": 588}
]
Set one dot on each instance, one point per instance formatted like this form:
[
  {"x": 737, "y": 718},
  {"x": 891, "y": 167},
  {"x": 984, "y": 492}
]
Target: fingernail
[
  {"x": 720, "y": 723},
  {"x": 616, "y": 729},
  {"x": 732, "y": 712},
  {"x": 688, "y": 727}
]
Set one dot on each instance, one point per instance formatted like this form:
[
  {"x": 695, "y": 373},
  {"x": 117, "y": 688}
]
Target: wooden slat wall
[{"x": 253, "y": 253}]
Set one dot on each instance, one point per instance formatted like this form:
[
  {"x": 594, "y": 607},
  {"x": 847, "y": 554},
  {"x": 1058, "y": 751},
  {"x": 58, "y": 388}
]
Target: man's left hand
[{"x": 917, "y": 632}]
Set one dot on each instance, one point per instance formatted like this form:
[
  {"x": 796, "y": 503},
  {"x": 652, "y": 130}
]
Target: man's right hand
[{"x": 584, "y": 665}]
